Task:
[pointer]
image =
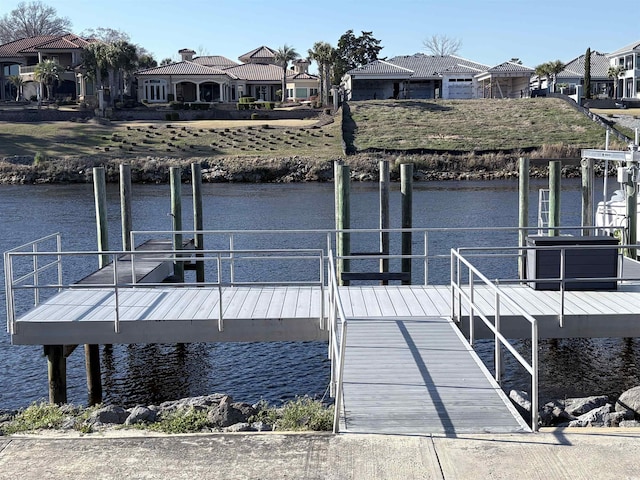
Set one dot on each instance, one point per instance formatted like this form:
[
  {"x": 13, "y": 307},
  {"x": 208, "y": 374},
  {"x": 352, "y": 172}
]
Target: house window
[
  {"x": 313, "y": 92},
  {"x": 301, "y": 92},
  {"x": 289, "y": 92},
  {"x": 155, "y": 90}
]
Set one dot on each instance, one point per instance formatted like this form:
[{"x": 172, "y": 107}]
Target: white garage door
[{"x": 460, "y": 88}]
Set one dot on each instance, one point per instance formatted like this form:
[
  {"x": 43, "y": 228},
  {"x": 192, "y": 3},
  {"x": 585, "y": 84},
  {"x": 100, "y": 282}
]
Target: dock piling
[
  {"x": 555, "y": 169},
  {"x": 125, "y": 205},
  {"x": 588, "y": 181},
  {"x": 198, "y": 219},
  {"x": 176, "y": 217},
  {"x": 57, "y": 371},
  {"x": 523, "y": 212},
  {"x": 343, "y": 218},
  {"x": 406, "y": 188},
  {"x": 385, "y": 181}
]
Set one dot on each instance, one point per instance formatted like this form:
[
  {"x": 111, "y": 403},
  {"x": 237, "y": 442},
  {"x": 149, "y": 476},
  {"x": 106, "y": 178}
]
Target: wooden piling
[
  {"x": 588, "y": 181},
  {"x": 94, "y": 375},
  {"x": 100, "y": 195},
  {"x": 176, "y": 217},
  {"x": 555, "y": 168},
  {"x": 384, "y": 183},
  {"x": 125, "y": 205},
  {"x": 92, "y": 352},
  {"x": 342, "y": 179},
  {"x": 523, "y": 212},
  {"x": 57, "y": 371},
  {"x": 198, "y": 219},
  {"x": 406, "y": 189}
]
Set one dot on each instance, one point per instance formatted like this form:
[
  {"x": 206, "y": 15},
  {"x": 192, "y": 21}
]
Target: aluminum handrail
[
  {"x": 336, "y": 348},
  {"x": 457, "y": 261},
  {"x": 117, "y": 257}
]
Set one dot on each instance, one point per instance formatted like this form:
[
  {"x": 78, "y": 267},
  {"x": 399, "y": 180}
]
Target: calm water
[{"x": 276, "y": 371}]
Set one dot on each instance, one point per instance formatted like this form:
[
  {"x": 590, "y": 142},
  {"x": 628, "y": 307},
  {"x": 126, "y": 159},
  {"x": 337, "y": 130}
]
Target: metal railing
[
  {"x": 458, "y": 294},
  {"x": 337, "y": 342},
  {"x": 121, "y": 260}
]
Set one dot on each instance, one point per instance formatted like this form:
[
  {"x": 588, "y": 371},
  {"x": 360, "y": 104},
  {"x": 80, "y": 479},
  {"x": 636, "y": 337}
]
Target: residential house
[
  {"x": 628, "y": 58},
  {"x": 20, "y": 57},
  {"x": 217, "y": 79},
  {"x": 432, "y": 76},
  {"x": 573, "y": 75}
]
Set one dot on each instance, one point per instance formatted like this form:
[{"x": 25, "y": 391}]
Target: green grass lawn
[
  {"x": 471, "y": 125},
  {"x": 177, "y": 139},
  {"x": 463, "y": 126}
]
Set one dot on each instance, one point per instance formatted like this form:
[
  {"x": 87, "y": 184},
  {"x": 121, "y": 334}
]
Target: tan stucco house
[
  {"x": 217, "y": 79},
  {"x": 20, "y": 57}
]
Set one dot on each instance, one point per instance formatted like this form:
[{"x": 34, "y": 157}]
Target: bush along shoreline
[
  {"x": 594, "y": 411},
  {"x": 204, "y": 414},
  {"x": 30, "y": 170}
]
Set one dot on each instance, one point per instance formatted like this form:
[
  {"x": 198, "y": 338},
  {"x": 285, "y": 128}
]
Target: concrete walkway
[{"x": 551, "y": 454}]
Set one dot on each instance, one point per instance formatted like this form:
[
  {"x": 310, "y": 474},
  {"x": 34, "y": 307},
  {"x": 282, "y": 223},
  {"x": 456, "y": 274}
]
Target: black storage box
[{"x": 579, "y": 262}]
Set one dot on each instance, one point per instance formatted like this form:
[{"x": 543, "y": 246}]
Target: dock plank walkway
[{"x": 417, "y": 376}]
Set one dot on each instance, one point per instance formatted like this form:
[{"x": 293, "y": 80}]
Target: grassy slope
[
  {"x": 471, "y": 125},
  {"x": 393, "y": 126}
]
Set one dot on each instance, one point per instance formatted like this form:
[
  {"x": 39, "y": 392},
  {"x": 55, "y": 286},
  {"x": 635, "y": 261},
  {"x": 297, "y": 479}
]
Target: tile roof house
[
  {"x": 573, "y": 75},
  {"x": 20, "y": 57},
  {"x": 628, "y": 58},
  {"x": 212, "y": 79},
  {"x": 432, "y": 76}
]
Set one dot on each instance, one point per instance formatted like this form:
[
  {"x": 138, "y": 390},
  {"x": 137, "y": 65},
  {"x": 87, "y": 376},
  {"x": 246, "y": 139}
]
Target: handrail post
[
  {"x": 339, "y": 391},
  {"x": 36, "y": 276},
  {"x": 497, "y": 342},
  {"x": 453, "y": 290},
  {"x": 426, "y": 257},
  {"x": 534, "y": 376},
  {"x": 115, "y": 289},
  {"x": 322, "y": 324},
  {"x": 231, "y": 264},
  {"x": 59, "y": 259},
  {"x": 562, "y": 285},
  {"x": 471, "y": 310},
  {"x": 220, "y": 310}
]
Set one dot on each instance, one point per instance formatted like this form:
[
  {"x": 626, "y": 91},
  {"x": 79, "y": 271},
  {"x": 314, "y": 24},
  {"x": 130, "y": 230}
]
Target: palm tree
[
  {"x": 554, "y": 69},
  {"x": 94, "y": 58},
  {"x": 283, "y": 56},
  {"x": 48, "y": 72},
  {"x": 324, "y": 54},
  {"x": 122, "y": 58},
  {"x": 17, "y": 81},
  {"x": 542, "y": 70},
  {"x": 614, "y": 73}
]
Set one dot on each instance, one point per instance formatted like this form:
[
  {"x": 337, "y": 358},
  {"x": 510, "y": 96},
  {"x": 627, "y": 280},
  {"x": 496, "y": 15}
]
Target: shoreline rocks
[{"x": 594, "y": 411}]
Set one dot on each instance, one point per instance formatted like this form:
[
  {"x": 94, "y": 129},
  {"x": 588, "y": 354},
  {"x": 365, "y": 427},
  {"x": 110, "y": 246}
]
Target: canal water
[{"x": 278, "y": 371}]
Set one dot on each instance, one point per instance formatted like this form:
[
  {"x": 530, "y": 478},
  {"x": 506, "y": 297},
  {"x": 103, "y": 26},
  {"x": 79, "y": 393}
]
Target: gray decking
[{"x": 417, "y": 376}]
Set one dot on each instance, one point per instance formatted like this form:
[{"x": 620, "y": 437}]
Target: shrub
[
  {"x": 175, "y": 116},
  {"x": 176, "y": 105},
  {"x": 35, "y": 416},
  {"x": 33, "y": 98},
  {"x": 168, "y": 116},
  {"x": 39, "y": 158},
  {"x": 181, "y": 421},
  {"x": 170, "y": 97},
  {"x": 247, "y": 99},
  {"x": 303, "y": 413}
]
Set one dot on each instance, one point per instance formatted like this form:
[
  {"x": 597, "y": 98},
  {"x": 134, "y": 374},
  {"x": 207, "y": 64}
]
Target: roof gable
[
  {"x": 256, "y": 72},
  {"x": 511, "y": 67},
  {"x": 262, "y": 53},
  {"x": 626, "y": 49},
  {"x": 575, "y": 68}
]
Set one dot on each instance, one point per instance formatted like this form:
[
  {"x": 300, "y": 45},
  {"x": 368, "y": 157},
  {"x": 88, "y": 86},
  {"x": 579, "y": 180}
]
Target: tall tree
[
  {"x": 441, "y": 45},
  {"x": 324, "y": 54},
  {"x": 30, "y": 19},
  {"x": 555, "y": 68},
  {"x": 48, "y": 72},
  {"x": 283, "y": 56},
  {"x": 166, "y": 61},
  {"x": 353, "y": 52},
  {"x": 587, "y": 73},
  {"x": 17, "y": 81},
  {"x": 614, "y": 73},
  {"x": 122, "y": 58},
  {"x": 542, "y": 71},
  {"x": 105, "y": 34}
]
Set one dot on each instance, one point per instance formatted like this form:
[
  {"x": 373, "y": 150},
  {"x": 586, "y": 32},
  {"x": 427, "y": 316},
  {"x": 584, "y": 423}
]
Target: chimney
[
  {"x": 301, "y": 65},
  {"x": 186, "y": 54}
]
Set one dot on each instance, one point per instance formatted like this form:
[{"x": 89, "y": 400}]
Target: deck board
[{"x": 416, "y": 375}]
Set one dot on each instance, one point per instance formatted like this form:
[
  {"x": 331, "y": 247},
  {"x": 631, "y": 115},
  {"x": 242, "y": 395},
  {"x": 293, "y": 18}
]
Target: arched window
[{"x": 155, "y": 90}]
